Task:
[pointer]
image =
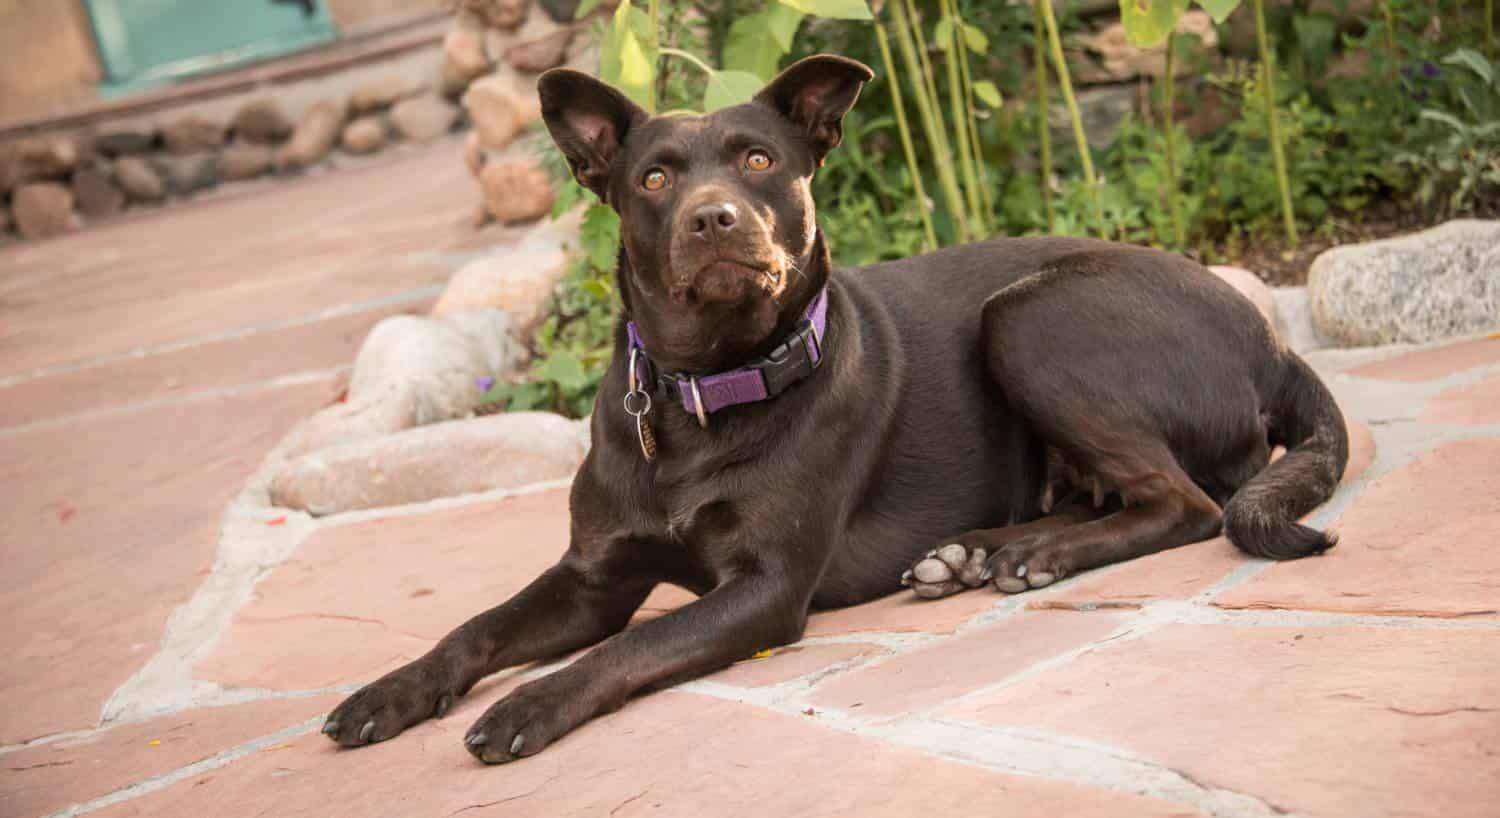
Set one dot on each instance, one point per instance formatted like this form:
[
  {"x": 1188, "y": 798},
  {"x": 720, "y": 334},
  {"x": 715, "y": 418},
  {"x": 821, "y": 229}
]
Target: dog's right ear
[{"x": 588, "y": 120}]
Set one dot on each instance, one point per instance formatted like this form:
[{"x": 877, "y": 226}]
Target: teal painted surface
[{"x": 150, "y": 42}]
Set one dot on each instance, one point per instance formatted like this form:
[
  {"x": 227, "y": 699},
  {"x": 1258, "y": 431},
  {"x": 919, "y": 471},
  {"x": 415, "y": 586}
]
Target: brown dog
[{"x": 776, "y": 435}]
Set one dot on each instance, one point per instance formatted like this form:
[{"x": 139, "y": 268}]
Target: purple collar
[{"x": 792, "y": 360}]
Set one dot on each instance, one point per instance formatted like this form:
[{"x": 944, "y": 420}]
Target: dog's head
[{"x": 716, "y": 211}]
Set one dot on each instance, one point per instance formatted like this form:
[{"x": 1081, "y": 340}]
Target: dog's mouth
[{"x": 731, "y": 279}]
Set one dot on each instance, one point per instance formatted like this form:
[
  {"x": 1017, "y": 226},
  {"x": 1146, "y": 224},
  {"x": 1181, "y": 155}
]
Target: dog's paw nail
[
  {"x": 1021, "y": 570},
  {"x": 1039, "y": 579},
  {"x": 517, "y": 743},
  {"x": 986, "y": 574},
  {"x": 931, "y": 570},
  {"x": 1010, "y": 585},
  {"x": 476, "y": 739},
  {"x": 367, "y": 731},
  {"x": 443, "y": 703},
  {"x": 930, "y": 554},
  {"x": 906, "y": 577},
  {"x": 331, "y": 728}
]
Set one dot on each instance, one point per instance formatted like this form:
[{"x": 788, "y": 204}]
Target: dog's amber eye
[
  {"x": 758, "y": 160},
  {"x": 655, "y": 179}
]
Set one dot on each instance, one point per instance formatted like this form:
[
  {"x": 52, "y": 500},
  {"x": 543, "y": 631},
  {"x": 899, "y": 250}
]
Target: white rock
[
  {"x": 1439, "y": 283},
  {"x": 507, "y": 450},
  {"x": 412, "y": 371}
]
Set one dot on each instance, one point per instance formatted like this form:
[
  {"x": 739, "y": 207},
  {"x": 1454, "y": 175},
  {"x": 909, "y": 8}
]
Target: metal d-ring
[
  {"x": 698, "y": 403},
  {"x": 633, "y": 352},
  {"x": 633, "y": 393}
]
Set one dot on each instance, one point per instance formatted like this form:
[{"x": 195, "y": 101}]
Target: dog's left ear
[{"x": 815, "y": 93}]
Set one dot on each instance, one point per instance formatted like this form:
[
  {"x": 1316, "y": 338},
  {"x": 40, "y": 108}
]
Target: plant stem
[
  {"x": 1043, "y": 126},
  {"x": 942, "y": 155},
  {"x": 1489, "y": 26},
  {"x": 973, "y": 120},
  {"x": 677, "y": 52},
  {"x": 1168, "y": 126},
  {"x": 1390, "y": 34},
  {"x": 1273, "y": 130},
  {"x": 653, "y": 11},
  {"x": 958, "y": 112},
  {"x": 894, "y": 81},
  {"x": 1065, "y": 83}
]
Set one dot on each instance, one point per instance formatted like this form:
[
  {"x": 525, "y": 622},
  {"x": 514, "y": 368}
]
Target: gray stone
[
  {"x": 245, "y": 160},
  {"x": 124, "y": 140},
  {"x": 503, "y": 451},
  {"x": 316, "y": 134},
  {"x": 423, "y": 119},
  {"x": 414, "y": 370},
  {"x": 189, "y": 174},
  {"x": 262, "y": 120},
  {"x": 1439, "y": 283},
  {"x": 139, "y": 179},
  {"x": 35, "y": 158},
  {"x": 364, "y": 135},
  {"x": 43, "y": 209},
  {"x": 192, "y": 134},
  {"x": 1102, "y": 110},
  {"x": 95, "y": 191},
  {"x": 1294, "y": 321}
]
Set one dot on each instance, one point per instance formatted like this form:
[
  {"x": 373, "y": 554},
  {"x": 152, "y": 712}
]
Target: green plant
[{"x": 1463, "y": 155}]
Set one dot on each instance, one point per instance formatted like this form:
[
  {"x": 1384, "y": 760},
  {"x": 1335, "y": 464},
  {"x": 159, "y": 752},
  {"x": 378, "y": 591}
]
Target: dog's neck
[{"x": 703, "y": 339}]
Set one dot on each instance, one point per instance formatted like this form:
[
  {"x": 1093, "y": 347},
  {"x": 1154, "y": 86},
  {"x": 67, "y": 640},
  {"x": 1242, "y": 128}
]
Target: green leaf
[
  {"x": 1446, "y": 118},
  {"x": 1149, "y": 22},
  {"x": 988, "y": 93},
  {"x": 600, "y": 235},
  {"x": 624, "y": 61},
  {"x": 1219, "y": 9},
  {"x": 837, "y": 9},
  {"x": 976, "y": 39},
  {"x": 943, "y": 33},
  {"x": 726, "y": 88},
  {"x": 585, "y": 8},
  {"x": 1474, "y": 61},
  {"x": 564, "y": 369},
  {"x": 757, "y": 42}
]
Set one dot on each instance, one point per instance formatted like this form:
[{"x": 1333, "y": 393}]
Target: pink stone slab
[
  {"x": 357, "y": 600},
  {"x": 668, "y": 755},
  {"x": 1473, "y": 405},
  {"x": 1421, "y": 540},
  {"x": 927, "y": 677},
  {"x": 1437, "y": 362},
  {"x": 1333, "y": 722},
  {"x": 106, "y": 525},
  {"x": 43, "y": 779}
]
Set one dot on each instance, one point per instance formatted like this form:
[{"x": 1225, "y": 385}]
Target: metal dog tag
[{"x": 639, "y": 411}]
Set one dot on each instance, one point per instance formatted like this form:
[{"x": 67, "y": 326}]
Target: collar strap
[{"x": 793, "y": 359}]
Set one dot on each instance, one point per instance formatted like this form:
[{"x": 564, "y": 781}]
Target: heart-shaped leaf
[
  {"x": 1219, "y": 9},
  {"x": 726, "y": 88},
  {"x": 624, "y": 61},
  {"x": 988, "y": 93},
  {"x": 943, "y": 33},
  {"x": 837, "y": 9},
  {"x": 1148, "y": 22},
  {"x": 757, "y": 42}
]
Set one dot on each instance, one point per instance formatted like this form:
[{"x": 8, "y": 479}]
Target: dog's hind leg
[{"x": 1162, "y": 509}]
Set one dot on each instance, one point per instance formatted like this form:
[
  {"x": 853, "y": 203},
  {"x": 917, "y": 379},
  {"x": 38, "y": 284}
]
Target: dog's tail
[{"x": 1261, "y": 518}]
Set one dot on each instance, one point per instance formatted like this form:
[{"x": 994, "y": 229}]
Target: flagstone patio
[{"x": 173, "y": 642}]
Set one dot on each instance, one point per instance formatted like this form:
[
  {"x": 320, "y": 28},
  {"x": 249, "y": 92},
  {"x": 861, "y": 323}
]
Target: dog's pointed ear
[
  {"x": 815, "y": 93},
  {"x": 588, "y": 121}
]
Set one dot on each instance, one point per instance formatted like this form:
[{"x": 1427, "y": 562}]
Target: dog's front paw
[
  {"x": 385, "y": 707},
  {"x": 947, "y": 570},
  {"x": 525, "y": 722}
]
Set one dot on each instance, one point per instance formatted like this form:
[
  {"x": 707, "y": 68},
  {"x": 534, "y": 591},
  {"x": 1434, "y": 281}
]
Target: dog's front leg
[
  {"x": 572, "y": 605},
  {"x": 746, "y": 614}
]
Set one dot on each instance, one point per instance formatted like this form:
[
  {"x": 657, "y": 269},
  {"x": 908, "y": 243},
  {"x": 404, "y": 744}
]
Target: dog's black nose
[{"x": 716, "y": 219}]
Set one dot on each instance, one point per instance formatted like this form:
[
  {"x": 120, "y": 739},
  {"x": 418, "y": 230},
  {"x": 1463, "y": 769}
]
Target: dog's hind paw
[{"x": 946, "y": 571}]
